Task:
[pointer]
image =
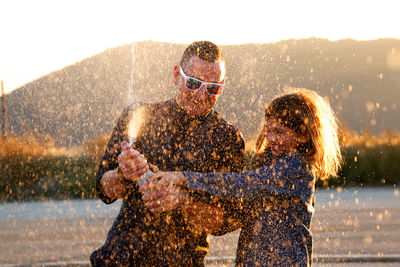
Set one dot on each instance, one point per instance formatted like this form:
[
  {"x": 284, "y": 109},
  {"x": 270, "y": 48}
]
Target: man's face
[{"x": 198, "y": 102}]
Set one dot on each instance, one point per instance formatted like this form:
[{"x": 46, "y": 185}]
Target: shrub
[
  {"x": 33, "y": 170},
  {"x": 47, "y": 177},
  {"x": 372, "y": 166},
  {"x": 30, "y": 170}
]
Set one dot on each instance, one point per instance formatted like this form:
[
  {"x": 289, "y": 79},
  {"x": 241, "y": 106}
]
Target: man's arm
[
  {"x": 213, "y": 219},
  {"x": 107, "y": 174},
  {"x": 109, "y": 185},
  {"x": 205, "y": 217},
  {"x": 163, "y": 192},
  {"x": 108, "y": 189},
  {"x": 131, "y": 165},
  {"x": 168, "y": 190},
  {"x": 113, "y": 188}
]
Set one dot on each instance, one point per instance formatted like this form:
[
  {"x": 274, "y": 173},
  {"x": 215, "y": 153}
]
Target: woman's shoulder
[
  {"x": 294, "y": 157},
  {"x": 266, "y": 158},
  {"x": 293, "y": 161},
  {"x": 287, "y": 165},
  {"x": 294, "y": 167}
]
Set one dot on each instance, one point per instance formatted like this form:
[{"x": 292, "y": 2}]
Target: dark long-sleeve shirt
[
  {"x": 274, "y": 205},
  {"x": 171, "y": 140}
]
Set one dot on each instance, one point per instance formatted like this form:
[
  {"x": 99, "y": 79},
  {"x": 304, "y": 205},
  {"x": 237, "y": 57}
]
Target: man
[{"x": 184, "y": 134}]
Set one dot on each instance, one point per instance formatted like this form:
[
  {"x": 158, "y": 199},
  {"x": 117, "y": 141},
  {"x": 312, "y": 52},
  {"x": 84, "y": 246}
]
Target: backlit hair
[
  {"x": 308, "y": 114},
  {"x": 205, "y": 50}
]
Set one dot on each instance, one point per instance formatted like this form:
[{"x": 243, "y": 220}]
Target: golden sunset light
[{"x": 38, "y": 37}]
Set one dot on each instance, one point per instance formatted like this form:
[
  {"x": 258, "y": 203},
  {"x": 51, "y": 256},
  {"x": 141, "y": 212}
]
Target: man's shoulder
[
  {"x": 222, "y": 123},
  {"x": 222, "y": 126}
]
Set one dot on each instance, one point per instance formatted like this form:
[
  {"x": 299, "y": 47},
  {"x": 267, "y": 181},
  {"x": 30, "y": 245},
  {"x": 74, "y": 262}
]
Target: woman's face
[{"x": 281, "y": 139}]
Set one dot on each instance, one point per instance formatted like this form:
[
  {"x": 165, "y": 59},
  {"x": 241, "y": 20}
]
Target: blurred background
[{"x": 68, "y": 68}]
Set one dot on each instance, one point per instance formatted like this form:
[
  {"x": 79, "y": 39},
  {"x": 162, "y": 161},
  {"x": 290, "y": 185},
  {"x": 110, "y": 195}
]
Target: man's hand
[
  {"x": 131, "y": 162},
  {"x": 112, "y": 187},
  {"x": 162, "y": 191}
]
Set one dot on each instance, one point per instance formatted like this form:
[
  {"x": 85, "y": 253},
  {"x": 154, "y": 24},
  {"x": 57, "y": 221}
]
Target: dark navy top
[{"x": 273, "y": 205}]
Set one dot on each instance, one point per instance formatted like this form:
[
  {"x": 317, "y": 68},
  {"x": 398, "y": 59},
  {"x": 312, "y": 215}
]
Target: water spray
[
  {"x": 137, "y": 114},
  {"x": 132, "y": 97},
  {"x": 134, "y": 126}
]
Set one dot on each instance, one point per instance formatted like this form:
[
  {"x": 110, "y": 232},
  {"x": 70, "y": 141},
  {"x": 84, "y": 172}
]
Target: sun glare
[
  {"x": 45, "y": 35},
  {"x": 135, "y": 123}
]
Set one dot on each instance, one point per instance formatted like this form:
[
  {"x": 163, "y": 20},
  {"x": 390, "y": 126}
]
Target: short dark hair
[{"x": 205, "y": 50}]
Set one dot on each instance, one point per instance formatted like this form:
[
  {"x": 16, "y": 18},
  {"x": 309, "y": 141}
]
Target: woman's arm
[{"x": 288, "y": 177}]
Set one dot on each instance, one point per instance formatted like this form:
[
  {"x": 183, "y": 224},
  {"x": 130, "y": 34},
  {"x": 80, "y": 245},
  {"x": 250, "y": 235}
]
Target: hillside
[{"x": 82, "y": 101}]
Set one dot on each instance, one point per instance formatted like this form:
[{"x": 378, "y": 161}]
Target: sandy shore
[{"x": 344, "y": 229}]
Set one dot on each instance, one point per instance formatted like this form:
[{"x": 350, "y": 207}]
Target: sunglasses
[{"x": 194, "y": 84}]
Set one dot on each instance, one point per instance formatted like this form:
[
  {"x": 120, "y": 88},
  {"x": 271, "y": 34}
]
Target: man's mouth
[{"x": 196, "y": 102}]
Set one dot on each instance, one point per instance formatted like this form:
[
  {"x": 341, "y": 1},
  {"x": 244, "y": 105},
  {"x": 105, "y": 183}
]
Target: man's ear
[{"x": 176, "y": 74}]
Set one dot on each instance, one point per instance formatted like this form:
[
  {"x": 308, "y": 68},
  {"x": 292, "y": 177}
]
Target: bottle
[{"x": 145, "y": 176}]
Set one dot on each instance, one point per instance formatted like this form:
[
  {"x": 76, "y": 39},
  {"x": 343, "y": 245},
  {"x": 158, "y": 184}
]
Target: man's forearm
[
  {"x": 112, "y": 186},
  {"x": 206, "y": 217}
]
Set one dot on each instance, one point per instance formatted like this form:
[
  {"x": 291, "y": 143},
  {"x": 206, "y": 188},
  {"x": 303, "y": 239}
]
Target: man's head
[{"x": 202, "y": 61}]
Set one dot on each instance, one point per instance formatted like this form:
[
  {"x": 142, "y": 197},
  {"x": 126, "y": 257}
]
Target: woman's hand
[{"x": 163, "y": 191}]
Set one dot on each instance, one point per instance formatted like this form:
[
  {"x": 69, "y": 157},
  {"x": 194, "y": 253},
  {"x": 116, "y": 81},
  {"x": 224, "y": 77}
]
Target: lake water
[{"x": 350, "y": 198}]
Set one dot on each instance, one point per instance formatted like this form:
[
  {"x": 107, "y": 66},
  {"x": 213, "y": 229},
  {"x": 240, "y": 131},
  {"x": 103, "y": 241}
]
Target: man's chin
[{"x": 196, "y": 112}]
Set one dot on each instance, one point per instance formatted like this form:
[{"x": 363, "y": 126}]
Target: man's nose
[{"x": 201, "y": 92}]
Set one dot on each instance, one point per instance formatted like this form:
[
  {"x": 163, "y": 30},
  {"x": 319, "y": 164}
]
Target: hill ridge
[{"x": 83, "y": 100}]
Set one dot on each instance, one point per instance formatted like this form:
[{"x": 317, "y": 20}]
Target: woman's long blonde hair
[{"x": 308, "y": 114}]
